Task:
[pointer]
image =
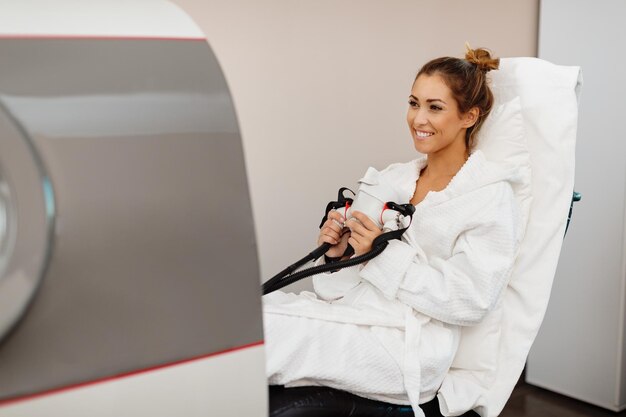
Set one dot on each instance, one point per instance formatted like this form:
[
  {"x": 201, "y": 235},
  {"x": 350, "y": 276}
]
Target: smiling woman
[
  {"x": 389, "y": 330},
  {"x": 464, "y": 83},
  {"x": 435, "y": 122},
  {"x": 448, "y": 104}
]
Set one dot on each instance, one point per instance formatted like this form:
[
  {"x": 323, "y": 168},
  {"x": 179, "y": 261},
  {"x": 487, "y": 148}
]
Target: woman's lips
[{"x": 422, "y": 134}]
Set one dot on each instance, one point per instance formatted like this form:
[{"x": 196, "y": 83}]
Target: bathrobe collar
[{"x": 477, "y": 172}]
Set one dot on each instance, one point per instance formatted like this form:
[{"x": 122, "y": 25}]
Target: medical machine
[{"x": 123, "y": 205}]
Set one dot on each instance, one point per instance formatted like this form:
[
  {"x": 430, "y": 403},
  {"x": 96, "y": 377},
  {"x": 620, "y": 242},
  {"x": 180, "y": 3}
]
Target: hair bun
[{"x": 482, "y": 58}]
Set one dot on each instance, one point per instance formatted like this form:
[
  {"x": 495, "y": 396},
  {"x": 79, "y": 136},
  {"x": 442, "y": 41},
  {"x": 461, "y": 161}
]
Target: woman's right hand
[{"x": 333, "y": 231}]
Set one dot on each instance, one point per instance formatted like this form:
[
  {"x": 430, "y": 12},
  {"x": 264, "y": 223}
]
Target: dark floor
[{"x": 527, "y": 401}]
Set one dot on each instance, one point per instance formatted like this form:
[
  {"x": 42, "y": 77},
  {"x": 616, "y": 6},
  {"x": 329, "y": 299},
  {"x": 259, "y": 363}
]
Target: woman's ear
[{"x": 471, "y": 117}]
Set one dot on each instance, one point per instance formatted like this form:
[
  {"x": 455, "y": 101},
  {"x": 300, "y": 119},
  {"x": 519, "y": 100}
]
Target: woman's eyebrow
[{"x": 430, "y": 100}]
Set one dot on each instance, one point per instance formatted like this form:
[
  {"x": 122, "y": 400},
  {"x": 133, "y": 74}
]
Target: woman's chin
[{"x": 421, "y": 147}]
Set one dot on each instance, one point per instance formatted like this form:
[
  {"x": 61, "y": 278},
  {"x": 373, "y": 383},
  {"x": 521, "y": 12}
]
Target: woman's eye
[
  {"x": 413, "y": 103},
  {"x": 436, "y": 108}
]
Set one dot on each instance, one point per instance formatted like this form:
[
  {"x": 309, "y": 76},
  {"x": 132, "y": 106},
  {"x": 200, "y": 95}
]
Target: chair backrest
[{"x": 488, "y": 367}]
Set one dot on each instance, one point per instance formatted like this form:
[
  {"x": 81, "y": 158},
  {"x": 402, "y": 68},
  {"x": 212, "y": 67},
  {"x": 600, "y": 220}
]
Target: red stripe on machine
[{"x": 126, "y": 374}]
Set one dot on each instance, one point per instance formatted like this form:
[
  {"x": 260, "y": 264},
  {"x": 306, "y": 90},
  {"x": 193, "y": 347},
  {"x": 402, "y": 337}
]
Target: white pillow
[{"x": 502, "y": 138}]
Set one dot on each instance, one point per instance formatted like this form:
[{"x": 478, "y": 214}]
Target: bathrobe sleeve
[
  {"x": 463, "y": 288},
  {"x": 332, "y": 286}
]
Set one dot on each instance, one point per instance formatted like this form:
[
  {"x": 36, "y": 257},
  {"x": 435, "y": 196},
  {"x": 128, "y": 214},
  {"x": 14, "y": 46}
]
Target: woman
[{"x": 389, "y": 330}]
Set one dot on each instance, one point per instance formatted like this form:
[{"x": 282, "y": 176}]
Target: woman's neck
[{"x": 445, "y": 164}]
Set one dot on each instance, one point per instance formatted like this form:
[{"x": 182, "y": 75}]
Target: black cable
[
  {"x": 288, "y": 275},
  {"x": 322, "y": 249},
  {"x": 280, "y": 283}
]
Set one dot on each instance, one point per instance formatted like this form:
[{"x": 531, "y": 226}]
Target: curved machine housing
[
  {"x": 126, "y": 232},
  {"x": 26, "y": 221}
]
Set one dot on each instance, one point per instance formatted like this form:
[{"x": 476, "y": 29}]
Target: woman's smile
[{"x": 423, "y": 134}]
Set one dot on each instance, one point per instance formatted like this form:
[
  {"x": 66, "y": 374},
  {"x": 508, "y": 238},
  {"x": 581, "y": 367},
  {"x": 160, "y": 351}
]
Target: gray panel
[{"x": 154, "y": 255}]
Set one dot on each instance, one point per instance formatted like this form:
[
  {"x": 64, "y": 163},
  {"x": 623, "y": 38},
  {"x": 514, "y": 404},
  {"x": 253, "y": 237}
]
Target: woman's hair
[{"x": 467, "y": 79}]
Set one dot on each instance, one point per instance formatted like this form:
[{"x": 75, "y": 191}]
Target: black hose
[
  {"x": 279, "y": 281},
  {"x": 289, "y": 276},
  {"x": 322, "y": 249}
]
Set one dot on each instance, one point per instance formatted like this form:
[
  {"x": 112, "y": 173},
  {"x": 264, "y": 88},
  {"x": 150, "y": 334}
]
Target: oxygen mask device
[{"x": 376, "y": 198}]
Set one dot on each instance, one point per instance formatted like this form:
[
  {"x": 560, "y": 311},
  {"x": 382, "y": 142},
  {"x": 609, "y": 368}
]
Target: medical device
[
  {"x": 375, "y": 199},
  {"x": 119, "y": 143}
]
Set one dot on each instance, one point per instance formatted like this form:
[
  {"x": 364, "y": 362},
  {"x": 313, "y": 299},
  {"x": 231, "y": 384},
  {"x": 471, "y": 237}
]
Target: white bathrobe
[{"x": 389, "y": 330}]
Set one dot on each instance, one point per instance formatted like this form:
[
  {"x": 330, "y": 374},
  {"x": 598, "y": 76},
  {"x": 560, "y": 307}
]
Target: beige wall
[{"x": 320, "y": 89}]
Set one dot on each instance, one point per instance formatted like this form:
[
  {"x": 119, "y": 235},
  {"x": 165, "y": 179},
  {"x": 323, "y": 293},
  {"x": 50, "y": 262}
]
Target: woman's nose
[{"x": 419, "y": 118}]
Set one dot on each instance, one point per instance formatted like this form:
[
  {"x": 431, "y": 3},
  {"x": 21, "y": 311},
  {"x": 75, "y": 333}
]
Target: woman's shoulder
[
  {"x": 397, "y": 180},
  {"x": 404, "y": 169}
]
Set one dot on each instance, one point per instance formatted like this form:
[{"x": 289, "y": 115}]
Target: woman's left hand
[{"x": 364, "y": 231}]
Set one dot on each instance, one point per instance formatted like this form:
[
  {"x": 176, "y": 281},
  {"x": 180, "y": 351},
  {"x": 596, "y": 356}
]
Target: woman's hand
[
  {"x": 334, "y": 232},
  {"x": 364, "y": 231}
]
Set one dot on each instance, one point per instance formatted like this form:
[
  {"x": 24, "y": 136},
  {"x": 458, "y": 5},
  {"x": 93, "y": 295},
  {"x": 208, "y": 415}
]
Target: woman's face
[{"x": 433, "y": 117}]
